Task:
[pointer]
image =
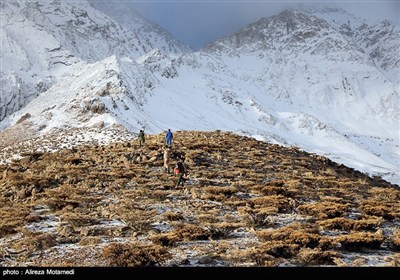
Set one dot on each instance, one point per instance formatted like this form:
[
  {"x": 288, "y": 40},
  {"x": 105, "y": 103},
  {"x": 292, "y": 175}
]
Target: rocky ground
[{"x": 245, "y": 203}]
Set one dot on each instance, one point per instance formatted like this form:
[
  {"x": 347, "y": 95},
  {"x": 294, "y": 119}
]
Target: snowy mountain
[
  {"x": 40, "y": 40},
  {"x": 296, "y": 78}
]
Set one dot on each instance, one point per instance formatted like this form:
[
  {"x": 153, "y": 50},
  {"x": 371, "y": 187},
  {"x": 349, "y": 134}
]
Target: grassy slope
[{"x": 245, "y": 203}]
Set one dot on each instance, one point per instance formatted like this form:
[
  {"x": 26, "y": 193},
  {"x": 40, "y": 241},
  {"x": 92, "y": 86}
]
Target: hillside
[
  {"x": 323, "y": 81},
  {"x": 245, "y": 203}
]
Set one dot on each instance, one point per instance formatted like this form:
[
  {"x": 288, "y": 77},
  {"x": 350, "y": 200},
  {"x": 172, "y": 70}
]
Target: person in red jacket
[{"x": 180, "y": 171}]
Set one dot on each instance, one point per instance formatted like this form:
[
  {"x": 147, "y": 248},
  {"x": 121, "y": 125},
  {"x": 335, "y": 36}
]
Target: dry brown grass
[
  {"x": 316, "y": 256},
  {"x": 134, "y": 254},
  {"x": 324, "y": 210},
  {"x": 253, "y": 255},
  {"x": 12, "y": 219},
  {"x": 395, "y": 240},
  {"x": 346, "y": 224},
  {"x": 356, "y": 241},
  {"x": 36, "y": 241},
  {"x": 172, "y": 216},
  {"x": 86, "y": 241},
  {"x": 393, "y": 260},
  {"x": 246, "y": 203},
  {"x": 386, "y": 210},
  {"x": 292, "y": 234}
]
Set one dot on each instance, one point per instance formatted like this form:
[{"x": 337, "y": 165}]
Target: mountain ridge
[{"x": 301, "y": 93}]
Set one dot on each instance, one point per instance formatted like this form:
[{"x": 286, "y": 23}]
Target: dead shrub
[
  {"x": 305, "y": 237},
  {"x": 356, "y": 241},
  {"x": 157, "y": 194},
  {"x": 393, "y": 260},
  {"x": 79, "y": 220},
  {"x": 395, "y": 240},
  {"x": 327, "y": 243},
  {"x": 226, "y": 191},
  {"x": 56, "y": 204},
  {"x": 279, "y": 249},
  {"x": 348, "y": 224},
  {"x": 272, "y": 190},
  {"x": 192, "y": 232},
  {"x": 317, "y": 256},
  {"x": 253, "y": 254},
  {"x": 37, "y": 241},
  {"x": 172, "y": 216},
  {"x": 213, "y": 197},
  {"x": 33, "y": 218},
  {"x": 380, "y": 209},
  {"x": 207, "y": 218},
  {"x": 9, "y": 228},
  {"x": 165, "y": 239},
  {"x": 279, "y": 202},
  {"x": 260, "y": 217},
  {"x": 86, "y": 241},
  {"x": 222, "y": 230},
  {"x": 97, "y": 231},
  {"x": 183, "y": 232},
  {"x": 134, "y": 254},
  {"x": 324, "y": 210},
  {"x": 139, "y": 223},
  {"x": 385, "y": 194}
]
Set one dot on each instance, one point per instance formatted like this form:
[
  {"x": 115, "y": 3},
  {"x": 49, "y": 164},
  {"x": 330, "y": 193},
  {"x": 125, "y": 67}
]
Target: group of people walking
[{"x": 180, "y": 169}]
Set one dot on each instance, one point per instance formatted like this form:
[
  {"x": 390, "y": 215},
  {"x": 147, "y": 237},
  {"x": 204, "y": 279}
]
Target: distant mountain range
[{"x": 322, "y": 80}]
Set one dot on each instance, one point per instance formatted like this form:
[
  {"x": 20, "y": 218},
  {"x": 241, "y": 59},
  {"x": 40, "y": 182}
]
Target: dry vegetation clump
[
  {"x": 134, "y": 216},
  {"x": 36, "y": 241},
  {"x": 382, "y": 202},
  {"x": 324, "y": 210},
  {"x": 12, "y": 219},
  {"x": 393, "y": 260},
  {"x": 86, "y": 241},
  {"x": 305, "y": 236},
  {"x": 278, "y": 203},
  {"x": 225, "y": 191},
  {"x": 191, "y": 232},
  {"x": 369, "y": 223},
  {"x": 387, "y": 210},
  {"x": 356, "y": 241},
  {"x": 182, "y": 232},
  {"x": 222, "y": 230},
  {"x": 79, "y": 220},
  {"x": 173, "y": 216},
  {"x": 395, "y": 240},
  {"x": 134, "y": 254},
  {"x": 279, "y": 249},
  {"x": 245, "y": 202},
  {"x": 7, "y": 228},
  {"x": 316, "y": 256},
  {"x": 253, "y": 256}
]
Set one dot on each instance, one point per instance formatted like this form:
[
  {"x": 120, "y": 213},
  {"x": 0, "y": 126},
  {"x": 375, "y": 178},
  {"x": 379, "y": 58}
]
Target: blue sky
[{"x": 200, "y": 22}]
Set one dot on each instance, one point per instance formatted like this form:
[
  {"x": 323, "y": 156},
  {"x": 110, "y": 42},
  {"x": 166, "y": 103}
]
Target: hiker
[
  {"x": 167, "y": 156},
  {"x": 168, "y": 138},
  {"x": 141, "y": 138},
  {"x": 180, "y": 171}
]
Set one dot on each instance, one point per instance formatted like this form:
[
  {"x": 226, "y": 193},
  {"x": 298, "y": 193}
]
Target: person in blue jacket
[{"x": 168, "y": 138}]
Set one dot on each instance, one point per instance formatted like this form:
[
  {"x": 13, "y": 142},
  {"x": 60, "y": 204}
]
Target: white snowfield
[{"x": 298, "y": 78}]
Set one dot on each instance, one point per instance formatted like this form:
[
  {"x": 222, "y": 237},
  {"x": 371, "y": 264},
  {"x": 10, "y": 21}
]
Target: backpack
[{"x": 179, "y": 168}]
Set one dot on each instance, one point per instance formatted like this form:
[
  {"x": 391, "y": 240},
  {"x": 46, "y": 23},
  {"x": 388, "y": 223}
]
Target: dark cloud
[{"x": 200, "y": 22}]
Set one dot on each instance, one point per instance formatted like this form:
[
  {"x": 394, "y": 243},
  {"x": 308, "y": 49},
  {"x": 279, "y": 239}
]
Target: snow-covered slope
[
  {"x": 149, "y": 35},
  {"x": 293, "y": 79},
  {"x": 40, "y": 40}
]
